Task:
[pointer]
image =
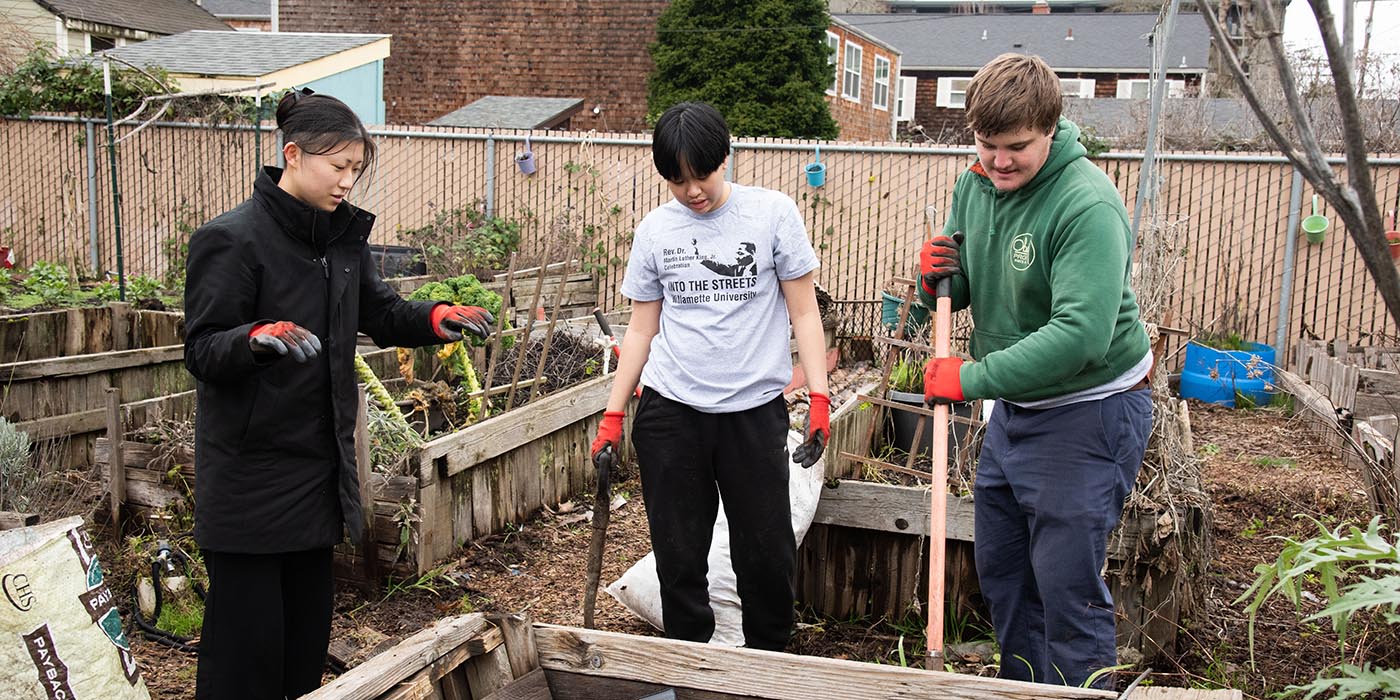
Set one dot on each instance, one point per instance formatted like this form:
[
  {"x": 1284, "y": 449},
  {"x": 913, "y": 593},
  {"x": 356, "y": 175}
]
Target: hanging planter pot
[
  {"x": 525, "y": 160},
  {"x": 1392, "y": 236},
  {"x": 816, "y": 171},
  {"x": 1315, "y": 226}
]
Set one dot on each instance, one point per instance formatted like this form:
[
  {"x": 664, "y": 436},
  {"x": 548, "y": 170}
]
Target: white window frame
[
  {"x": 833, "y": 42},
  {"x": 1175, "y": 88},
  {"x": 851, "y": 77},
  {"x": 952, "y": 91},
  {"x": 880, "y": 94},
  {"x": 904, "y": 98},
  {"x": 1077, "y": 87}
]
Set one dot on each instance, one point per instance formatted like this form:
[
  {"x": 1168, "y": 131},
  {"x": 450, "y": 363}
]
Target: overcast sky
[{"x": 1300, "y": 29}]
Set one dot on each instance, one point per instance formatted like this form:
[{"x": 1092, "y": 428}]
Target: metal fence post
[
  {"x": 116, "y": 187},
  {"x": 490, "y": 176},
  {"x": 90, "y": 145},
  {"x": 1290, "y": 251}
]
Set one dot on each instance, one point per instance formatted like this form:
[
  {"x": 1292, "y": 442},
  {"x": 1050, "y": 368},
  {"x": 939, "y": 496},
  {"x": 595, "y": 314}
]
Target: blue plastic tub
[{"x": 1217, "y": 376}]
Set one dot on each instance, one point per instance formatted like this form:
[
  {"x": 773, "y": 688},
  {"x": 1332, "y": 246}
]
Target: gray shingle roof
[
  {"x": 1102, "y": 41},
  {"x": 155, "y": 16},
  {"x": 247, "y": 54},
  {"x": 239, "y": 9},
  {"x": 498, "y": 112}
]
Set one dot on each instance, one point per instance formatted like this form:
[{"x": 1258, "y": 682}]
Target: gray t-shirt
[{"x": 723, "y": 342}]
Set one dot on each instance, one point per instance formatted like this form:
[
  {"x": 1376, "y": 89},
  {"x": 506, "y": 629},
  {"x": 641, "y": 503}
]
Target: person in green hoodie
[{"x": 1044, "y": 264}]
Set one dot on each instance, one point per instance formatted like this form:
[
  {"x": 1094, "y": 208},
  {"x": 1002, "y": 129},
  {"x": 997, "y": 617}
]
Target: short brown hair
[{"x": 1012, "y": 92}]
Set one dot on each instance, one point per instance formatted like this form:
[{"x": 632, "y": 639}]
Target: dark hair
[
  {"x": 689, "y": 136},
  {"x": 320, "y": 123}
]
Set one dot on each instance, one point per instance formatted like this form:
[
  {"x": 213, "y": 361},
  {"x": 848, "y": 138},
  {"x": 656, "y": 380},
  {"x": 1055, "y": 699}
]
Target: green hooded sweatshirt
[{"x": 1046, "y": 270}]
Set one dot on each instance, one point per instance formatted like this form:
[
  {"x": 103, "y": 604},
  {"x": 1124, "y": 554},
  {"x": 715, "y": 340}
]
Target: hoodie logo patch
[{"x": 1022, "y": 252}]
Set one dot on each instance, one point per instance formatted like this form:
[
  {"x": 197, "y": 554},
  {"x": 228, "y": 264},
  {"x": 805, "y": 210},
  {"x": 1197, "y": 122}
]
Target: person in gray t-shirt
[{"x": 719, "y": 278}]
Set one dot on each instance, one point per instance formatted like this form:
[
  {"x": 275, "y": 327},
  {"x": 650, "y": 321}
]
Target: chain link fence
[{"x": 1235, "y": 214}]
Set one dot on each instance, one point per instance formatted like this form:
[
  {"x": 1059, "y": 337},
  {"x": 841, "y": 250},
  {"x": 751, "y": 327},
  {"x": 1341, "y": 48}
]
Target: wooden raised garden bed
[
  {"x": 59, "y": 365},
  {"x": 462, "y": 486},
  {"x": 865, "y": 554},
  {"x": 474, "y": 657}
]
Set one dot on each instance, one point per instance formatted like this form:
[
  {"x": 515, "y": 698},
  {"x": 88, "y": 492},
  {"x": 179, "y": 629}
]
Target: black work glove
[{"x": 285, "y": 338}]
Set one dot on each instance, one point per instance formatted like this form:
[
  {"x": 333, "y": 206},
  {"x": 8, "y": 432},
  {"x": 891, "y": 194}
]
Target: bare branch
[
  {"x": 1232, "y": 60},
  {"x": 1353, "y": 131},
  {"x": 1302, "y": 124}
]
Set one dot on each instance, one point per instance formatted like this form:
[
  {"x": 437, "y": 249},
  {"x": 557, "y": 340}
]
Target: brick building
[{"x": 449, "y": 54}]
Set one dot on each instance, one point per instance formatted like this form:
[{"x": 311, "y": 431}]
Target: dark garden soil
[{"x": 1261, "y": 468}]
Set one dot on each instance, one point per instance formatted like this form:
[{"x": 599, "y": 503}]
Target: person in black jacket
[{"x": 276, "y": 290}]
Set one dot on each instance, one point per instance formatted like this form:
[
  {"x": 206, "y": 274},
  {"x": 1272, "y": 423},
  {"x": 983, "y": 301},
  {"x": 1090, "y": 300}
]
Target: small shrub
[
  {"x": 50, "y": 282},
  {"x": 464, "y": 239},
  {"x": 141, "y": 287},
  {"x": 18, "y": 478}
]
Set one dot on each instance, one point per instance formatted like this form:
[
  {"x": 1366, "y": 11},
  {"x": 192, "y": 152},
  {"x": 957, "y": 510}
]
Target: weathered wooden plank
[
  {"x": 9, "y": 520},
  {"x": 488, "y": 672},
  {"x": 530, "y": 686},
  {"x": 490, "y": 438},
  {"x": 89, "y": 364},
  {"x": 889, "y": 508},
  {"x": 364, "y": 467},
  {"x": 383, "y": 672},
  {"x": 751, "y": 673},
  {"x": 850, "y": 424},
  {"x": 116, "y": 477},
  {"x": 576, "y": 686},
  {"x": 519, "y": 640}
]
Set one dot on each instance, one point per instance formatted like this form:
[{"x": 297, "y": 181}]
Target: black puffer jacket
[{"x": 274, "y": 439}]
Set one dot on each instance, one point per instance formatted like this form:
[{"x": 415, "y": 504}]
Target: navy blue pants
[
  {"x": 1050, "y": 488},
  {"x": 689, "y": 460}
]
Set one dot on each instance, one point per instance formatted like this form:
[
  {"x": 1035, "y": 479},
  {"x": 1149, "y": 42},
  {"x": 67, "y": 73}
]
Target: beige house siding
[{"x": 24, "y": 24}]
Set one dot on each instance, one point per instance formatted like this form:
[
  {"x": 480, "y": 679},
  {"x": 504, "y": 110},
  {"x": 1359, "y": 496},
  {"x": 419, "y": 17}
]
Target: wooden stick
[
  {"x": 507, "y": 306},
  {"x": 938, "y": 515},
  {"x": 116, "y": 483},
  {"x": 549, "y": 332}
]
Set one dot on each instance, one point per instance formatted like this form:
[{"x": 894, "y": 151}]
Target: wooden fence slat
[{"x": 89, "y": 364}]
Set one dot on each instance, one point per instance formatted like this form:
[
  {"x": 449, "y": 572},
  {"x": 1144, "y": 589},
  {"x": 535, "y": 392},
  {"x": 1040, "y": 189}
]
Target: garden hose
[{"x": 164, "y": 559}]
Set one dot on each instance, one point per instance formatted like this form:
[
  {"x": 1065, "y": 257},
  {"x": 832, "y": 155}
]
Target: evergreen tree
[{"x": 761, "y": 63}]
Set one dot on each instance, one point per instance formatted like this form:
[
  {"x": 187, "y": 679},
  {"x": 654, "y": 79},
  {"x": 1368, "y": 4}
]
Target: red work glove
[
  {"x": 818, "y": 430},
  {"x": 609, "y": 434},
  {"x": 938, "y": 259},
  {"x": 284, "y": 338},
  {"x": 942, "y": 383},
  {"x": 449, "y": 321}
]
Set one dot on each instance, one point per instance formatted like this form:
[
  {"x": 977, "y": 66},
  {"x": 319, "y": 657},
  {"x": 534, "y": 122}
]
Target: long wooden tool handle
[{"x": 938, "y": 506}]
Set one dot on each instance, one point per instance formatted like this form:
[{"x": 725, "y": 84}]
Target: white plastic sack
[
  {"x": 640, "y": 591},
  {"x": 62, "y": 635}
]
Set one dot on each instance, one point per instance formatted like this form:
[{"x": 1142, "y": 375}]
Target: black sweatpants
[
  {"x": 689, "y": 461},
  {"x": 267, "y": 623}
]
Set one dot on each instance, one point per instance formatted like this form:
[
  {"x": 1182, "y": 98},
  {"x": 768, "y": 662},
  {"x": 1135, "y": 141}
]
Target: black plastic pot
[{"x": 901, "y": 425}]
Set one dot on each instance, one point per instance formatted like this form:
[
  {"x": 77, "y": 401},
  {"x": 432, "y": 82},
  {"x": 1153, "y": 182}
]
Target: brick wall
[
  {"x": 862, "y": 121},
  {"x": 445, "y": 55}
]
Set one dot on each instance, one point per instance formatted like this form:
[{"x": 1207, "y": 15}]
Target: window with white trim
[
  {"x": 850, "y": 83},
  {"x": 833, "y": 42},
  {"x": 880, "y": 96},
  {"x": 952, "y": 92},
  {"x": 904, "y": 99},
  {"x": 1076, "y": 87},
  {"x": 1140, "y": 89}
]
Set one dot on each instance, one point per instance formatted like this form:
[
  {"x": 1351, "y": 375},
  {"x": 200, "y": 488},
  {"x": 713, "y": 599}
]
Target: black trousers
[
  {"x": 267, "y": 623},
  {"x": 689, "y": 461}
]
